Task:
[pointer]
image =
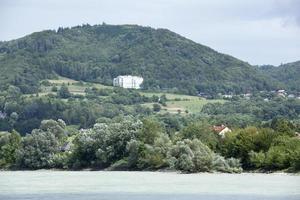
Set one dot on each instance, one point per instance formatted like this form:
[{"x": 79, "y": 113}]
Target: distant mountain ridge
[{"x": 99, "y": 53}]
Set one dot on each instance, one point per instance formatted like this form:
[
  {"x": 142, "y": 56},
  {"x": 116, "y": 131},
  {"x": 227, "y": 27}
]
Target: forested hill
[
  {"x": 288, "y": 74},
  {"x": 98, "y": 53}
]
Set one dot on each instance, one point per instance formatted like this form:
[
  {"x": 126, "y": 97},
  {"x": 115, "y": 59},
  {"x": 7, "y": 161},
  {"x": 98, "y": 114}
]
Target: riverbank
[{"x": 150, "y": 171}]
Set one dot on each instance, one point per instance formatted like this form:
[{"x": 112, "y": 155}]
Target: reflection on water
[{"x": 65, "y": 185}]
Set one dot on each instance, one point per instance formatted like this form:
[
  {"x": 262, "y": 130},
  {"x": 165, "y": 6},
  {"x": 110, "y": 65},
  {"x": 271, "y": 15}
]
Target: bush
[
  {"x": 156, "y": 107},
  {"x": 105, "y": 143},
  {"x": 64, "y": 92},
  {"x": 190, "y": 156},
  {"x": 9, "y": 145},
  {"x": 283, "y": 154},
  {"x": 54, "y": 89},
  {"x": 231, "y": 165},
  {"x": 38, "y": 150}
]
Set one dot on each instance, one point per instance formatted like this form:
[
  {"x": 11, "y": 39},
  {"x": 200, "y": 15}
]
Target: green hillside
[
  {"x": 288, "y": 74},
  {"x": 166, "y": 60}
]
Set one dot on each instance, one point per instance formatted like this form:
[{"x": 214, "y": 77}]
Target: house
[
  {"x": 128, "y": 81},
  {"x": 221, "y": 130},
  {"x": 281, "y": 93}
]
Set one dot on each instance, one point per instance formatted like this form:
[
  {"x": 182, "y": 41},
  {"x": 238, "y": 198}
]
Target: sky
[{"x": 256, "y": 31}]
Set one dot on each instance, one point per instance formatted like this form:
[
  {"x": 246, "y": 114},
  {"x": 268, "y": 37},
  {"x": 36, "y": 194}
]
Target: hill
[
  {"x": 166, "y": 60},
  {"x": 288, "y": 74}
]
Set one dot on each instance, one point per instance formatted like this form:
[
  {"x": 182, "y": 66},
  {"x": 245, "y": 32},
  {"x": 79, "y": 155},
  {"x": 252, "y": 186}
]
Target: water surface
[{"x": 102, "y": 185}]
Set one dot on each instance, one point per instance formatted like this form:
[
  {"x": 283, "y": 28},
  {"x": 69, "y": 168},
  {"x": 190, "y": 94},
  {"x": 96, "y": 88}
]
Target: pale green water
[{"x": 64, "y": 185}]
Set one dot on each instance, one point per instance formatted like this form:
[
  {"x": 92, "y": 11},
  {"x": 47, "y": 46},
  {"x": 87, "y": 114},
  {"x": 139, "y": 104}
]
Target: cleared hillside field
[
  {"x": 176, "y": 103},
  {"x": 75, "y": 87},
  {"x": 170, "y": 96},
  {"x": 184, "y": 106}
]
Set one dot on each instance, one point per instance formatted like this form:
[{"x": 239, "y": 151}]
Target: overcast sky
[{"x": 256, "y": 31}]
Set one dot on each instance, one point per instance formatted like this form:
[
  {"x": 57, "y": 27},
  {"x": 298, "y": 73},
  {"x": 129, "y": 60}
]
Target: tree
[
  {"x": 282, "y": 126},
  {"x": 155, "y": 156},
  {"x": 13, "y": 92},
  {"x": 105, "y": 143},
  {"x": 38, "y": 150},
  {"x": 55, "y": 127},
  {"x": 54, "y": 89},
  {"x": 190, "y": 156},
  {"x": 200, "y": 130},
  {"x": 150, "y": 131},
  {"x": 13, "y": 118},
  {"x": 9, "y": 145},
  {"x": 64, "y": 92},
  {"x": 156, "y": 107},
  {"x": 239, "y": 144},
  {"x": 283, "y": 154}
]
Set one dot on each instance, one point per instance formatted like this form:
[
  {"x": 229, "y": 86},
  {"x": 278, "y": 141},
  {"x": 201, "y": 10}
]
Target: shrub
[{"x": 156, "y": 107}]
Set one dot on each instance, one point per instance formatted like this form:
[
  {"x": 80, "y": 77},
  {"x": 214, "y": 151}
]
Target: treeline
[
  {"x": 128, "y": 143},
  {"x": 241, "y": 113},
  {"x": 25, "y": 113}
]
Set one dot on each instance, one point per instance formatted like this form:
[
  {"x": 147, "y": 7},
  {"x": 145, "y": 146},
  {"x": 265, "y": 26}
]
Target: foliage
[
  {"x": 282, "y": 154},
  {"x": 99, "y": 53},
  {"x": 255, "y": 109},
  {"x": 190, "y": 156},
  {"x": 201, "y": 130},
  {"x": 288, "y": 74},
  {"x": 156, "y": 107},
  {"x": 9, "y": 145},
  {"x": 104, "y": 144},
  {"x": 63, "y": 92},
  {"x": 38, "y": 149}
]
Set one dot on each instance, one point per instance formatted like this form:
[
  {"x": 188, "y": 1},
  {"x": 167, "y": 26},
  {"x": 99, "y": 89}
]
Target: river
[{"x": 103, "y": 185}]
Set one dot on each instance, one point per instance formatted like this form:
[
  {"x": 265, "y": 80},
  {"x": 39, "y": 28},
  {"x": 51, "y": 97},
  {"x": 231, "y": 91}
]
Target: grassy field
[
  {"x": 176, "y": 103},
  {"x": 75, "y": 87},
  {"x": 185, "y": 106},
  {"x": 170, "y": 96}
]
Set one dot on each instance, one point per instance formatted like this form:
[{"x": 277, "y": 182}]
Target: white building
[{"x": 128, "y": 81}]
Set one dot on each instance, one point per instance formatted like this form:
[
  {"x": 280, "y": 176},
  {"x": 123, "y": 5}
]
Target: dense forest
[
  {"x": 166, "y": 60},
  {"x": 288, "y": 74}
]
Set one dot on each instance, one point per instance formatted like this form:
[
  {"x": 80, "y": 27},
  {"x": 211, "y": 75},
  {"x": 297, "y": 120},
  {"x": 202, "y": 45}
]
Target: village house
[
  {"x": 128, "y": 81},
  {"x": 221, "y": 130},
  {"x": 281, "y": 93}
]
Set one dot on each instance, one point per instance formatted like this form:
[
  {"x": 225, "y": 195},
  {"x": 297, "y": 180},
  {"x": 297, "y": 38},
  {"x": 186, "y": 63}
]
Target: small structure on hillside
[
  {"x": 221, "y": 130},
  {"x": 128, "y": 81},
  {"x": 281, "y": 93}
]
